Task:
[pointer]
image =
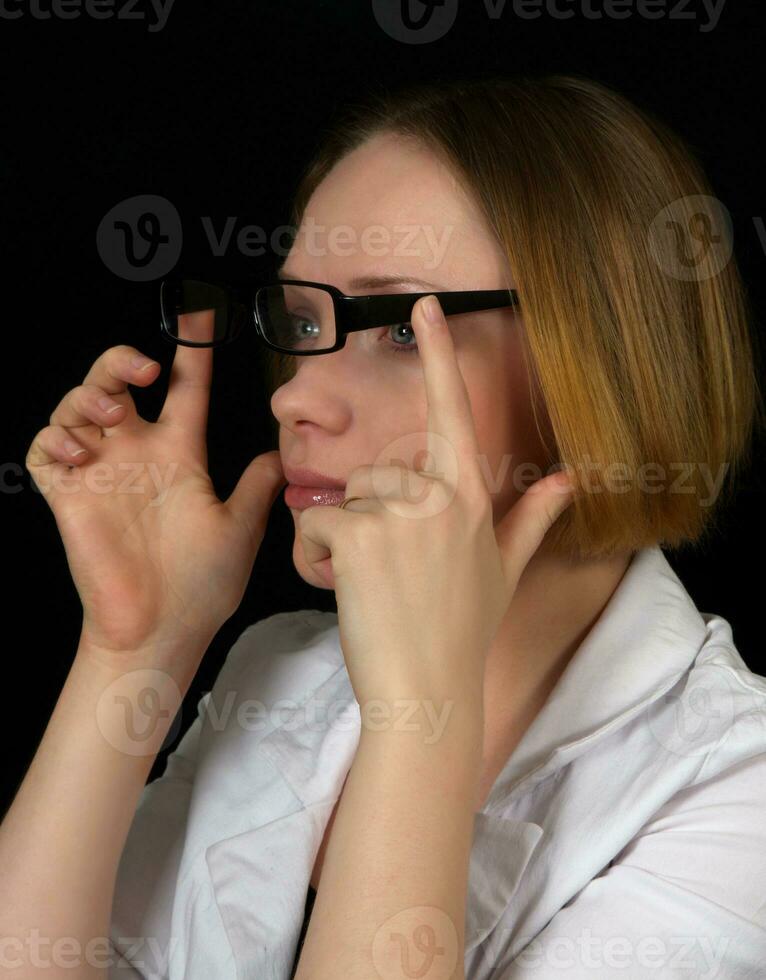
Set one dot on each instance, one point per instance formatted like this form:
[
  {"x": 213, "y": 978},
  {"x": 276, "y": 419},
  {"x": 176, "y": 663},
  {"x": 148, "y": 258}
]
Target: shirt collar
[
  {"x": 647, "y": 636},
  {"x": 314, "y": 761}
]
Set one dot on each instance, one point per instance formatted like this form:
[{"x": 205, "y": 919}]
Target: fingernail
[
  {"x": 433, "y": 310},
  {"x": 142, "y": 363},
  {"x": 72, "y": 448},
  {"x": 108, "y": 405}
]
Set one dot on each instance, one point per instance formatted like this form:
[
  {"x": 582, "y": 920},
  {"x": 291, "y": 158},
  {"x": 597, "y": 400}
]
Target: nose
[{"x": 316, "y": 393}]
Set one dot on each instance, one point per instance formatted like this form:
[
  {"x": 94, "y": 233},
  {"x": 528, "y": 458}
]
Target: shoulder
[
  {"x": 707, "y": 840},
  {"x": 710, "y": 721},
  {"x": 683, "y": 773},
  {"x": 656, "y": 833},
  {"x": 708, "y": 836},
  {"x": 718, "y": 708},
  {"x": 281, "y": 633},
  {"x": 281, "y": 656}
]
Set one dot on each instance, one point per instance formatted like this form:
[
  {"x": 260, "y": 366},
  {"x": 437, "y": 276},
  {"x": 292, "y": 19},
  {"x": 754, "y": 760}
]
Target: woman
[{"x": 510, "y": 771}]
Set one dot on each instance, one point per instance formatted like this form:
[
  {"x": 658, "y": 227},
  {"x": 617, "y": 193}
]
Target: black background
[{"x": 218, "y": 112}]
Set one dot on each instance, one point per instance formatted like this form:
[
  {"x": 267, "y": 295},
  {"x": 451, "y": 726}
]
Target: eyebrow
[{"x": 373, "y": 282}]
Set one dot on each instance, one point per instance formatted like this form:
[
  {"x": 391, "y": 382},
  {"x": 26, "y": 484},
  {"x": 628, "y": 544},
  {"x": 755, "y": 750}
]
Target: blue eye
[{"x": 397, "y": 348}]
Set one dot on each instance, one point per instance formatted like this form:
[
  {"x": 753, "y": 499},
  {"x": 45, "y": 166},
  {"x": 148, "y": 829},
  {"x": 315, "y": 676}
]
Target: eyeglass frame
[{"x": 352, "y": 313}]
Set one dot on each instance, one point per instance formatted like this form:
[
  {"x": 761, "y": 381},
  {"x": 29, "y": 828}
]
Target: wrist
[
  {"x": 432, "y": 760},
  {"x": 172, "y": 656},
  {"x": 122, "y": 710},
  {"x": 450, "y": 724},
  {"x": 460, "y": 700}
]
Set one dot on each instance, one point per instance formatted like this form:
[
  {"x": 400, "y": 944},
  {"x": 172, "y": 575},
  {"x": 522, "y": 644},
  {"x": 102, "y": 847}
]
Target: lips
[
  {"x": 309, "y": 488},
  {"x": 299, "y": 497},
  {"x": 312, "y": 478}
]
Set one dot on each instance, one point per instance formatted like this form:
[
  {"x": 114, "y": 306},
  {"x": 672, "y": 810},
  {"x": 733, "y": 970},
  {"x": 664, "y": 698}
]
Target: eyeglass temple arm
[
  {"x": 395, "y": 307},
  {"x": 380, "y": 310}
]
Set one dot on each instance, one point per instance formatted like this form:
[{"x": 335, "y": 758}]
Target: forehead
[{"x": 391, "y": 205}]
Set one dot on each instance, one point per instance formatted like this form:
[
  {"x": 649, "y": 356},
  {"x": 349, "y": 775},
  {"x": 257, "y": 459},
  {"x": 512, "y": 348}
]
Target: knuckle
[
  {"x": 116, "y": 360},
  {"x": 77, "y": 398},
  {"x": 79, "y": 395},
  {"x": 86, "y": 394},
  {"x": 31, "y": 453},
  {"x": 35, "y": 449},
  {"x": 121, "y": 351},
  {"x": 54, "y": 413}
]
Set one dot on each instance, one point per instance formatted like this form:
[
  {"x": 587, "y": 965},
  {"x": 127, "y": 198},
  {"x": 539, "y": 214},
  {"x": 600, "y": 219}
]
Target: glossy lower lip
[{"x": 300, "y": 497}]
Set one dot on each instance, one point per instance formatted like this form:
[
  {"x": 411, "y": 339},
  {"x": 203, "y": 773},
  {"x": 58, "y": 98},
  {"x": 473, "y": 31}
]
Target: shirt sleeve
[
  {"x": 140, "y": 934},
  {"x": 685, "y": 898}
]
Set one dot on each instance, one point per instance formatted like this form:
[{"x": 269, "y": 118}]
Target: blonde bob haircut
[{"x": 635, "y": 318}]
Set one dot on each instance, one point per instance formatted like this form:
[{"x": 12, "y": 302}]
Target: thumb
[
  {"x": 250, "y": 502},
  {"x": 521, "y": 531}
]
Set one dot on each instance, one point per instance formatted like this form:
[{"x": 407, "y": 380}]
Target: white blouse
[{"x": 625, "y": 836}]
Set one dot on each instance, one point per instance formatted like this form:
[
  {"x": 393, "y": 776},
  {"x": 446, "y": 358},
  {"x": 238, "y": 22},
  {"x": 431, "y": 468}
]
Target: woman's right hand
[{"x": 156, "y": 557}]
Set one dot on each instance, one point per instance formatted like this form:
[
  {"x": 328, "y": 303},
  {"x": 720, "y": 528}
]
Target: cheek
[
  {"x": 506, "y": 434},
  {"x": 496, "y": 407},
  {"x": 392, "y": 429}
]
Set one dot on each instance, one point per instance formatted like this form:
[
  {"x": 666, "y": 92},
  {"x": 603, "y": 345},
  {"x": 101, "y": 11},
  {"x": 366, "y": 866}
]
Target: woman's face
[{"x": 391, "y": 208}]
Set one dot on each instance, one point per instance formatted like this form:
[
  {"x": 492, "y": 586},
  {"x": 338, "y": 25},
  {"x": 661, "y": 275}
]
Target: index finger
[
  {"x": 186, "y": 403},
  {"x": 450, "y": 416}
]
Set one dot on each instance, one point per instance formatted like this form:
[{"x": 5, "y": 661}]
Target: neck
[{"x": 555, "y": 605}]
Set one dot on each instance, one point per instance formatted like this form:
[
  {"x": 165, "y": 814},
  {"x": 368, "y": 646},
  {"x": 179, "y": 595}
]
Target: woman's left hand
[{"x": 422, "y": 577}]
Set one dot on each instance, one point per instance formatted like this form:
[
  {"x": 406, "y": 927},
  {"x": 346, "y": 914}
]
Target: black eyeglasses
[{"x": 295, "y": 316}]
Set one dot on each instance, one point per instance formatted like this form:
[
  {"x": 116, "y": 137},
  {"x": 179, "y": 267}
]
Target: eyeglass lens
[
  {"x": 291, "y": 317},
  {"x": 195, "y": 311},
  {"x": 297, "y": 317}
]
